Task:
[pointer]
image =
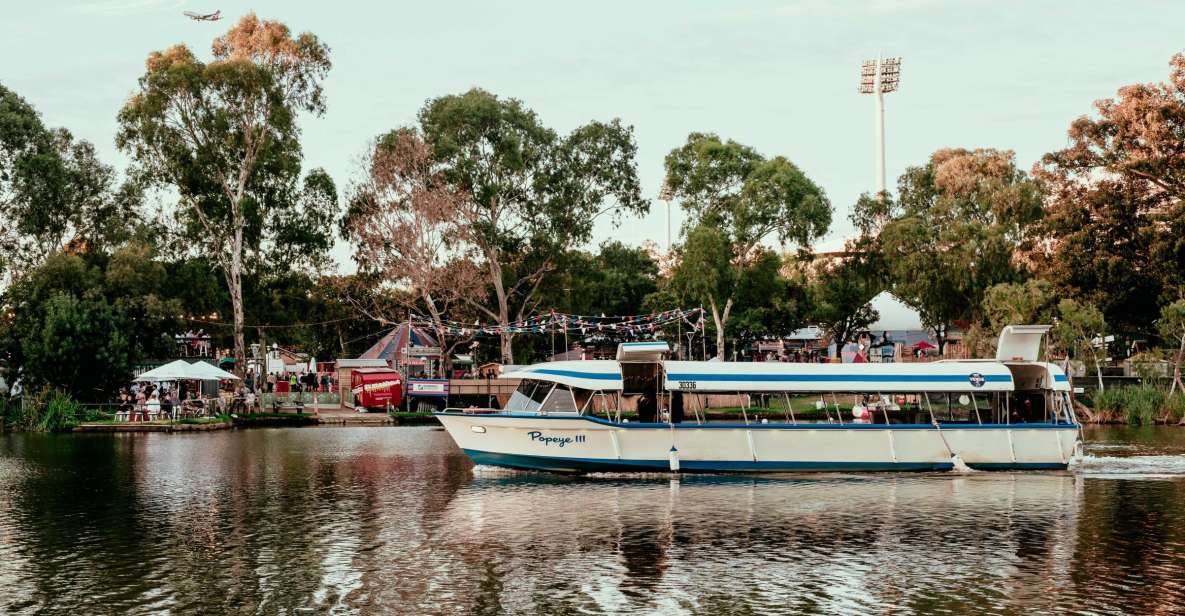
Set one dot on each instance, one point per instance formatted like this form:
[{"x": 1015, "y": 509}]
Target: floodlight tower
[
  {"x": 879, "y": 77},
  {"x": 665, "y": 194}
]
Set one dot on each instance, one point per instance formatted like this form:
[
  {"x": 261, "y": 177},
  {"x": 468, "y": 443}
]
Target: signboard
[
  {"x": 421, "y": 351},
  {"x": 428, "y": 388}
]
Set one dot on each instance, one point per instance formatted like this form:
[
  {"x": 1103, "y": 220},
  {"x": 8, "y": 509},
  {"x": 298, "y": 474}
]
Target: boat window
[
  {"x": 560, "y": 401},
  {"x": 539, "y": 392},
  {"x": 529, "y": 396},
  {"x": 639, "y": 377}
]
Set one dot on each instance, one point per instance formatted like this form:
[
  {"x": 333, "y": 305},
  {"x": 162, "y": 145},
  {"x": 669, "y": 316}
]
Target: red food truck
[{"x": 376, "y": 388}]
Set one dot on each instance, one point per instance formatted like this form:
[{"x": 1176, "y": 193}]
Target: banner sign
[
  {"x": 428, "y": 388},
  {"x": 421, "y": 351}
]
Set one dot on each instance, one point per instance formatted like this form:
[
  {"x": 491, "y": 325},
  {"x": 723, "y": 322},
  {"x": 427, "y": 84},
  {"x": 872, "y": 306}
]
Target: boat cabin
[{"x": 1012, "y": 388}]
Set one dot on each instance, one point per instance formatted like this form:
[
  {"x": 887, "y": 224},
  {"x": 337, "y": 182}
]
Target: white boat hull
[{"x": 587, "y": 444}]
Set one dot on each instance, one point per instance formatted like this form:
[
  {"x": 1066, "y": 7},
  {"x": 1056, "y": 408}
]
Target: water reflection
[{"x": 396, "y": 521}]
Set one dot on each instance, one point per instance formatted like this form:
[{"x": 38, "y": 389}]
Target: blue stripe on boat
[
  {"x": 768, "y": 426},
  {"x": 580, "y": 465},
  {"x": 1060, "y": 378},
  {"x": 593, "y": 376},
  {"x": 834, "y": 378}
]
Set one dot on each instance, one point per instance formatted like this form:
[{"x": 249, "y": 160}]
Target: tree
[
  {"x": 1116, "y": 211},
  {"x": 1171, "y": 326},
  {"x": 224, "y": 135},
  {"x": 768, "y": 304},
  {"x": 531, "y": 193},
  {"x": 958, "y": 224},
  {"x": 1019, "y": 303},
  {"x": 842, "y": 289},
  {"x": 408, "y": 228},
  {"x": 54, "y": 191},
  {"x": 81, "y": 322},
  {"x": 841, "y": 294},
  {"x": 736, "y": 199},
  {"x": 1078, "y": 326}
]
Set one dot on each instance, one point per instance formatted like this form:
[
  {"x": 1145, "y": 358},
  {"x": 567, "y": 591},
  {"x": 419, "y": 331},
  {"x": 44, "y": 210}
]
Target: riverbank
[{"x": 326, "y": 417}]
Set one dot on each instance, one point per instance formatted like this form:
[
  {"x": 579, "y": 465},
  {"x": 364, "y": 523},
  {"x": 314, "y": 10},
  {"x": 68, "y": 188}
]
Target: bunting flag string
[{"x": 561, "y": 322}]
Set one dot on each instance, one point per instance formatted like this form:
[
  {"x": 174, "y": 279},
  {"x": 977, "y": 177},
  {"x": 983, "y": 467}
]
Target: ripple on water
[{"x": 398, "y": 521}]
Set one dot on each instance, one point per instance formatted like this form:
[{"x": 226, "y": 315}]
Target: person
[
  {"x": 141, "y": 404},
  {"x": 648, "y": 405},
  {"x": 166, "y": 399},
  {"x": 153, "y": 405},
  {"x": 271, "y": 383},
  {"x": 677, "y": 407},
  {"x": 249, "y": 379}
]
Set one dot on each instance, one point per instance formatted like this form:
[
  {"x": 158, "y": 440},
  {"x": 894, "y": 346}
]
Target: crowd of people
[{"x": 144, "y": 400}]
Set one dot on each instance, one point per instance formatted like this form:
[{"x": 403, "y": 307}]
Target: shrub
[
  {"x": 61, "y": 413},
  {"x": 94, "y": 414},
  {"x": 1110, "y": 402},
  {"x": 1174, "y": 407},
  {"x": 1143, "y": 404}
]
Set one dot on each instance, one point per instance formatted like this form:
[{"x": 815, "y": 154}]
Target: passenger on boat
[
  {"x": 648, "y": 405},
  {"x": 677, "y": 407}
]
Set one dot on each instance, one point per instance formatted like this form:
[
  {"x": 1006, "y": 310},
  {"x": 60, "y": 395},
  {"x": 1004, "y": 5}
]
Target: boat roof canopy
[
  {"x": 1020, "y": 342},
  {"x": 603, "y": 374},
  {"x": 871, "y": 378},
  {"x": 642, "y": 351}
]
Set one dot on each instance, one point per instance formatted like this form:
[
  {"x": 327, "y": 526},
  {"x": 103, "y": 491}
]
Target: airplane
[{"x": 215, "y": 16}]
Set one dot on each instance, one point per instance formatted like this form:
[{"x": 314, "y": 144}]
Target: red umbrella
[{"x": 924, "y": 346}]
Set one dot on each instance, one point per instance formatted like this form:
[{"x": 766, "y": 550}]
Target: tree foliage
[
  {"x": 1115, "y": 230},
  {"x": 54, "y": 191},
  {"x": 954, "y": 231},
  {"x": 1078, "y": 325},
  {"x": 1171, "y": 326},
  {"x": 224, "y": 135},
  {"x": 82, "y": 322},
  {"x": 735, "y": 200},
  {"x": 408, "y": 228},
  {"x": 531, "y": 193}
]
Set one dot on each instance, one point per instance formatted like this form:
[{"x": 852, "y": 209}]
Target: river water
[{"x": 397, "y": 521}]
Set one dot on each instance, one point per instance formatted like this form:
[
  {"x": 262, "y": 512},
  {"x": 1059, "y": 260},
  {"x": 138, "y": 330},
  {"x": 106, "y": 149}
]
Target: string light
[{"x": 635, "y": 325}]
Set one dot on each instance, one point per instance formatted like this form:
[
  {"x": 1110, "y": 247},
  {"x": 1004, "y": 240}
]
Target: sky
[{"x": 778, "y": 76}]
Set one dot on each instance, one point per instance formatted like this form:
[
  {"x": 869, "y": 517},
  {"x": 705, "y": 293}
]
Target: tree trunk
[
  {"x": 503, "y": 307},
  {"x": 235, "y": 282},
  {"x": 720, "y": 319},
  {"x": 1098, "y": 368},
  {"x": 1177, "y": 369}
]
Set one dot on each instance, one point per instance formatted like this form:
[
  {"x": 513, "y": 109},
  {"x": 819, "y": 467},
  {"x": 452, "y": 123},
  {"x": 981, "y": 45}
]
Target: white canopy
[
  {"x": 181, "y": 370},
  {"x": 871, "y": 378},
  {"x": 207, "y": 372},
  {"x": 1020, "y": 342},
  {"x": 588, "y": 374}
]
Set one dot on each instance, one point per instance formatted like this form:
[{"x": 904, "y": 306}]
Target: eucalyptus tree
[
  {"x": 407, "y": 226},
  {"x": 531, "y": 193},
  {"x": 224, "y": 135},
  {"x": 736, "y": 199},
  {"x": 54, "y": 191},
  {"x": 959, "y": 223},
  {"x": 1116, "y": 207}
]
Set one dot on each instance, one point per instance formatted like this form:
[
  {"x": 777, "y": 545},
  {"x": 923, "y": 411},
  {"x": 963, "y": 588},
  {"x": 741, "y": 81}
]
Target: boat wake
[
  {"x": 484, "y": 470},
  {"x": 1132, "y": 467}
]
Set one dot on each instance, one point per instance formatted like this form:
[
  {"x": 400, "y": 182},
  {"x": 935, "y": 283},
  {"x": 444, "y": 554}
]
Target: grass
[{"x": 1141, "y": 405}]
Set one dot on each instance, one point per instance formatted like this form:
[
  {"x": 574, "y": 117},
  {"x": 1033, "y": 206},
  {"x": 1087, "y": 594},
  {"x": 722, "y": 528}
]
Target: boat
[{"x": 1013, "y": 412}]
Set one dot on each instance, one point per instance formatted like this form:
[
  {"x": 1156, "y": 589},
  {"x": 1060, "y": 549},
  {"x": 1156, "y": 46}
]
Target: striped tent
[{"x": 390, "y": 347}]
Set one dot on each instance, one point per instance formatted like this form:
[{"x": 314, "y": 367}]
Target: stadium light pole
[
  {"x": 879, "y": 77},
  {"x": 665, "y": 195}
]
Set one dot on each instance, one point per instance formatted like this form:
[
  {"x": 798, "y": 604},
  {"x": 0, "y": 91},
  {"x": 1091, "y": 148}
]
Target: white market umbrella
[
  {"x": 206, "y": 372},
  {"x": 172, "y": 371}
]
